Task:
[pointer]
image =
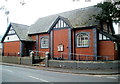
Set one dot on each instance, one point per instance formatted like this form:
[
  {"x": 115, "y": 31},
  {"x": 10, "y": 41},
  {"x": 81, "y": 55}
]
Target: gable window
[
  {"x": 61, "y": 24},
  {"x": 82, "y": 39},
  {"x": 44, "y": 42}
]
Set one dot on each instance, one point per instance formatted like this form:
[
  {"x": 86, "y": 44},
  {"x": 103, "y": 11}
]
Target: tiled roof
[
  {"x": 21, "y": 31},
  {"x": 76, "y": 18}
]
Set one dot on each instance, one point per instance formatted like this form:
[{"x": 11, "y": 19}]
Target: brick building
[{"x": 74, "y": 34}]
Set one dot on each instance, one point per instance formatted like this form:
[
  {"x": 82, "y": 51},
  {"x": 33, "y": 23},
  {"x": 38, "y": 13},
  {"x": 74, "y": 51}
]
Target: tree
[{"x": 110, "y": 11}]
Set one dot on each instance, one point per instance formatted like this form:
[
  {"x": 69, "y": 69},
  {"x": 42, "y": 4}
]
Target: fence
[
  {"x": 82, "y": 57},
  {"x": 41, "y": 54},
  {"x": 62, "y": 55}
]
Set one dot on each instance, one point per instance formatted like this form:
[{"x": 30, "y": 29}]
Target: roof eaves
[
  {"x": 37, "y": 33},
  {"x": 108, "y": 35}
]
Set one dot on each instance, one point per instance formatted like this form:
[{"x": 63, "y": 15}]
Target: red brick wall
[
  {"x": 39, "y": 48},
  {"x": 85, "y": 50},
  {"x": 34, "y": 45},
  {"x": 11, "y": 48},
  {"x": 60, "y": 37},
  {"x": 107, "y": 48}
]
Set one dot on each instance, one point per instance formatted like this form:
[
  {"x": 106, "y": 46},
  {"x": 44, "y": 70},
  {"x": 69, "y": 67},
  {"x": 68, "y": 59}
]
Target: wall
[
  {"x": 89, "y": 65},
  {"x": 34, "y": 45},
  {"x": 106, "y": 48},
  {"x": 39, "y": 48},
  {"x": 85, "y": 50},
  {"x": 37, "y": 45},
  {"x": 17, "y": 60},
  {"x": 60, "y": 37},
  {"x": 10, "y": 38},
  {"x": 11, "y": 48}
]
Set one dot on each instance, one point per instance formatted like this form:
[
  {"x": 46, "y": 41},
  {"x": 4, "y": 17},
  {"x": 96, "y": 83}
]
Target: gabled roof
[
  {"x": 76, "y": 18},
  {"x": 20, "y": 30}
]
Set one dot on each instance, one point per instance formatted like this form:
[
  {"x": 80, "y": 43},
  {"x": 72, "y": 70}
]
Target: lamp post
[{"x": 6, "y": 12}]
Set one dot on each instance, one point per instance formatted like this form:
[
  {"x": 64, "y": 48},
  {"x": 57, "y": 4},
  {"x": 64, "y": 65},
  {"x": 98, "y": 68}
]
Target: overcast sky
[{"x": 33, "y": 9}]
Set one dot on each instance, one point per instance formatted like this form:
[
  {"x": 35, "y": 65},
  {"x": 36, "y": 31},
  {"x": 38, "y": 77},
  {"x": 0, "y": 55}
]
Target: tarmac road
[{"x": 21, "y": 74}]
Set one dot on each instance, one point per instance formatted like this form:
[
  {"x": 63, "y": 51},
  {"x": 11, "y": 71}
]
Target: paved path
[{"x": 21, "y": 74}]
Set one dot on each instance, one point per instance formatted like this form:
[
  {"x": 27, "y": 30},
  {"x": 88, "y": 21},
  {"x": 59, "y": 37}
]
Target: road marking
[
  {"x": 8, "y": 70},
  {"x": 112, "y": 77},
  {"x": 39, "y": 79}
]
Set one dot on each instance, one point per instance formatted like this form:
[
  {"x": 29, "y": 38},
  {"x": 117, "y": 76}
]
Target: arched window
[
  {"x": 82, "y": 39},
  {"x": 44, "y": 42}
]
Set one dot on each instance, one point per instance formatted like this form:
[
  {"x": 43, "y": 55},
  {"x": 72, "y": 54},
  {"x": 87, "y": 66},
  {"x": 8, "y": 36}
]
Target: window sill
[
  {"x": 44, "y": 48},
  {"x": 82, "y": 47}
]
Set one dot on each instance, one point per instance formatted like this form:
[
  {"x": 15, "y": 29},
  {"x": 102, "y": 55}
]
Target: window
[
  {"x": 61, "y": 24},
  {"x": 83, "y": 39},
  {"x": 44, "y": 42},
  {"x": 103, "y": 37},
  {"x": 7, "y": 38}
]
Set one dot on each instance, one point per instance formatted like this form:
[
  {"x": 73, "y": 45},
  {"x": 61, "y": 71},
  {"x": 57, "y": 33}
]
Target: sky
[{"x": 33, "y": 9}]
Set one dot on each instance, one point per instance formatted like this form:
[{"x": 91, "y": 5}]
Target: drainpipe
[
  {"x": 69, "y": 43},
  {"x": 95, "y": 42},
  {"x": 21, "y": 49},
  {"x": 51, "y": 44},
  {"x": 37, "y": 39}
]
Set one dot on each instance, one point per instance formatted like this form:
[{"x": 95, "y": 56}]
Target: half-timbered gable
[{"x": 11, "y": 36}]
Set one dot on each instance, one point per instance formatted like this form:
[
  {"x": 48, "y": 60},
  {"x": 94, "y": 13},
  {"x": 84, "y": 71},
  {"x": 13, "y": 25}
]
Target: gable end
[
  {"x": 10, "y": 35},
  {"x": 60, "y": 23}
]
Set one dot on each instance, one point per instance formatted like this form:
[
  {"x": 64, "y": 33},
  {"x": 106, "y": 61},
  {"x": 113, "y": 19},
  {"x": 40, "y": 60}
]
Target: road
[{"x": 20, "y": 74}]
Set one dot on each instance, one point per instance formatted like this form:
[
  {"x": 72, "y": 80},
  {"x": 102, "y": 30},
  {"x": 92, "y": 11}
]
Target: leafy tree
[{"x": 109, "y": 11}]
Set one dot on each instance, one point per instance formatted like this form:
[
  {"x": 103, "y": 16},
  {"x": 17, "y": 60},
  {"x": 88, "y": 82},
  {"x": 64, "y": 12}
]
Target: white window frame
[
  {"x": 82, "y": 41},
  {"x": 46, "y": 44}
]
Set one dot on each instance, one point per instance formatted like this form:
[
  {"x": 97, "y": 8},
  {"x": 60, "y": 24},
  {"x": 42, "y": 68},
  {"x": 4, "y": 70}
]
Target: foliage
[{"x": 109, "y": 11}]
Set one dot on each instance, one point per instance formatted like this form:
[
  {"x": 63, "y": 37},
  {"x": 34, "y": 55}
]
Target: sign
[{"x": 60, "y": 47}]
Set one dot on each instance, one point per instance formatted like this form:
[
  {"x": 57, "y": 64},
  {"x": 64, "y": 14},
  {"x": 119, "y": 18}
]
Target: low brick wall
[
  {"x": 17, "y": 60},
  {"x": 10, "y": 59},
  {"x": 26, "y": 60},
  {"x": 91, "y": 65}
]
